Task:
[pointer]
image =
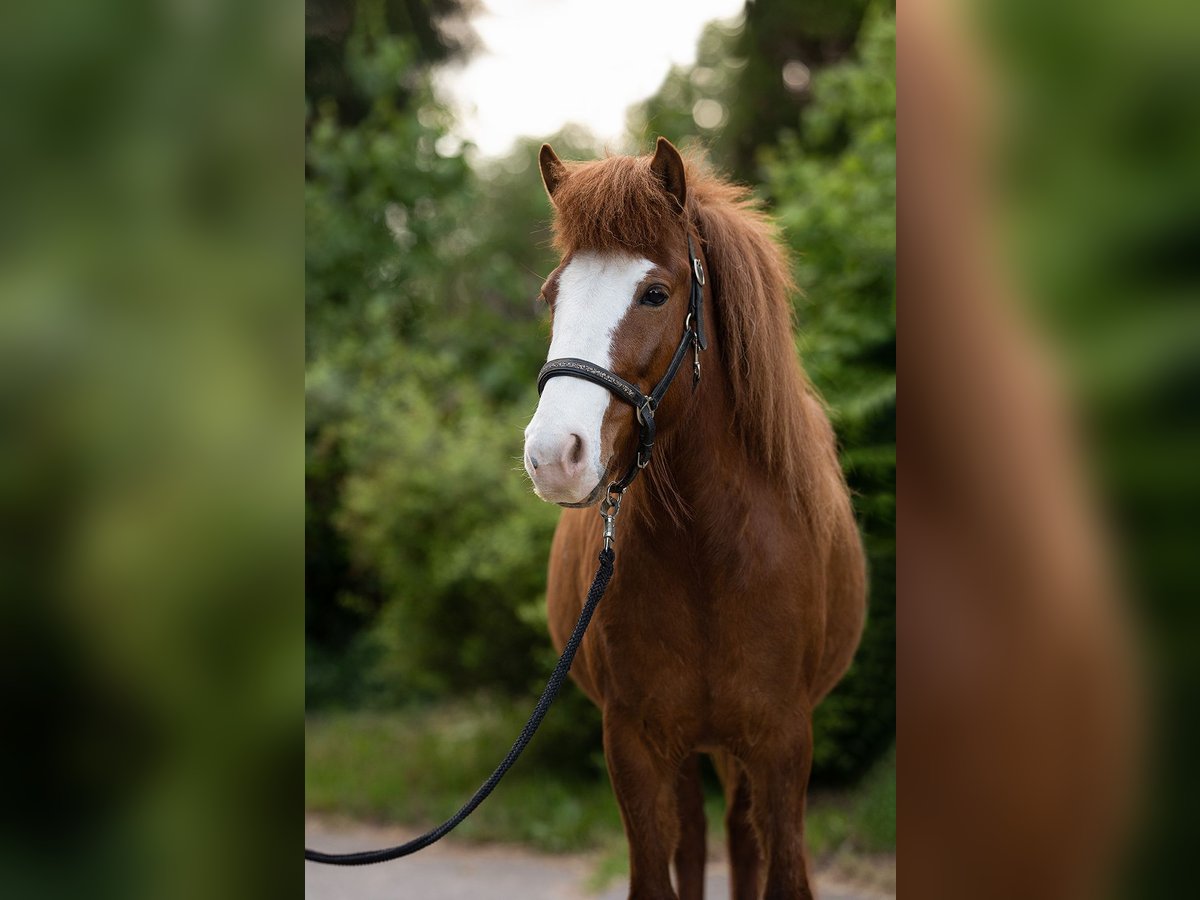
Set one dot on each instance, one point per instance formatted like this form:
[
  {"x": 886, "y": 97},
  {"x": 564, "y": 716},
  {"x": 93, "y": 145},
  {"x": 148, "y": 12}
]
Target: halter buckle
[
  {"x": 650, "y": 408},
  {"x": 699, "y": 270}
]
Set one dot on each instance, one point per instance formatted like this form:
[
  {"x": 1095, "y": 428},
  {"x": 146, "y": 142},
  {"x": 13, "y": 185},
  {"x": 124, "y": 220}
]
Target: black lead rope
[
  {"x": 645, "y": 405},
  {"x": 367, "y": 857}
]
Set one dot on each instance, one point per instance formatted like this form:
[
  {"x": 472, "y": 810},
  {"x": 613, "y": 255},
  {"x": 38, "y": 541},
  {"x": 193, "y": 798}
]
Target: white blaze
[{"x": 594, "y": 293}]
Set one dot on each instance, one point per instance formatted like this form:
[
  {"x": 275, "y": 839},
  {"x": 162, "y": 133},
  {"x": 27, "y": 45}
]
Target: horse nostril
[
  {"x": 533, "y": 461},
  {"x": 576, "y": 456}
]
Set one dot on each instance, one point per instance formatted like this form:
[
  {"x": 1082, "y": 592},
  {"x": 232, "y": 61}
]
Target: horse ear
[
  {"x": 668, "y": 166},
  {"x": 553, "y": 170}
]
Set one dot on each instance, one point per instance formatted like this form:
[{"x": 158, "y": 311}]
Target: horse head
[{"x": 619, "y": 300}]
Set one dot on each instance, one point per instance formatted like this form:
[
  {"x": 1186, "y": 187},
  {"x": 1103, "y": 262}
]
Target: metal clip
[
  {"x": 609, "y": 507},
  {"x": 695, "y": 360}
]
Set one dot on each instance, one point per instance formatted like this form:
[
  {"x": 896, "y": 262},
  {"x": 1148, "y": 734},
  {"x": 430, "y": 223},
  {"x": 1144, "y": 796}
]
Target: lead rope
[
  {"x": 693, "y": 333},
  {"x": 604, "y": 572}
]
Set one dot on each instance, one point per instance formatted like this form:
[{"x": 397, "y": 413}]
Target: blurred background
[
  {"x": 1048, "y": 676},
  {"x": 426, "y": 244},
  {"x": 151, "y": 351}
]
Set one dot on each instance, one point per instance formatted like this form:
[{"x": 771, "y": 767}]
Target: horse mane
[{"x": 618, "y": 203}]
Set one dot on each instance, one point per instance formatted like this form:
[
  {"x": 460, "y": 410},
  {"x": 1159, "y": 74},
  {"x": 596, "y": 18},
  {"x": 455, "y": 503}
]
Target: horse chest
[
  {"x": 648, "y": 643},
  {"x": 693, "y": 665}
]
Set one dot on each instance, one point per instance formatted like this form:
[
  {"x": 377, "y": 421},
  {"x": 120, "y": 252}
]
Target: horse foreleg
[
  {"x": 745, "y": 856},
  {"x": 778, "y": 771},
  {"x": 691, "y": 851},
  {"x": 645, "y": 785}
]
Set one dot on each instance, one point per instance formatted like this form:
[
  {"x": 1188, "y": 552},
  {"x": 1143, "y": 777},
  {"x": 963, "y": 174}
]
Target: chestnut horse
[{"x": 738, "y": 598}]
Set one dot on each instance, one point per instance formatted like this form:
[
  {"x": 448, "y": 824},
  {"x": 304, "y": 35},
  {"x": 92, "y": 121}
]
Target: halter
[{"x": 645, "y": 405}]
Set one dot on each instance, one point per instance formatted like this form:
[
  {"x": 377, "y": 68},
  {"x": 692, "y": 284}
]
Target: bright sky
[{"x": 544, "y": 63}]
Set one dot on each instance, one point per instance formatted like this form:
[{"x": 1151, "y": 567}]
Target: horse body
[{"x": 738, "y": 596}]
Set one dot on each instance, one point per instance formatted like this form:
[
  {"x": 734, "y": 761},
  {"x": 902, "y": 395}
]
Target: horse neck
[{"x": 700, "y": 462}]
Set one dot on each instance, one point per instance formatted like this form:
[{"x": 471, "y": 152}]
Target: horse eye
[{"x": 655, "y": 296}]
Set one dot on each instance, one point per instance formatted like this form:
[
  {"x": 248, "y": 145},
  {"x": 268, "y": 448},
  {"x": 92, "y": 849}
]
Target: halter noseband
[{"x": 645, "y": 404}]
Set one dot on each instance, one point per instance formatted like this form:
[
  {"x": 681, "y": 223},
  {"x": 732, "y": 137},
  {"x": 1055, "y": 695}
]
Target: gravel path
[{"x": 453, "y": 871}]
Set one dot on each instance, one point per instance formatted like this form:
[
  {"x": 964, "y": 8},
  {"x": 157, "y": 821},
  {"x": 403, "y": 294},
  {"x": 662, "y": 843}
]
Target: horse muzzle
[{"x": 562, "y": 467}]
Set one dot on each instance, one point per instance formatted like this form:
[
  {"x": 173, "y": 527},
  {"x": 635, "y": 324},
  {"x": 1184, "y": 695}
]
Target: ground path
[{"x": 455, "y": 871}]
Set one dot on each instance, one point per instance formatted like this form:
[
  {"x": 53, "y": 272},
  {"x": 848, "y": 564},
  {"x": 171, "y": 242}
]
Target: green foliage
[
  {"x": 375, "y": 240},
  {"x": 417, "y": 767},
  {"x": 438, "y": 511},
  {"x": 677, "y": 110},
  {"x": 362, "y": 289},
  {"x": 816, "y": 34},
  {"x": 833, "y": 188},
  {"x": 734, "y": 100},
  {"x": 420, "y": 348}
]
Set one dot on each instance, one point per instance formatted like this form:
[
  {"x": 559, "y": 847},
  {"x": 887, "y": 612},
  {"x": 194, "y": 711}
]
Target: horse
[{"x": 739, "y": 593}]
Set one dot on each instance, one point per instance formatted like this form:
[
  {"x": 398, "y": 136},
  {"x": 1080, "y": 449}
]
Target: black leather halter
[{"x": 645, "y": 404}]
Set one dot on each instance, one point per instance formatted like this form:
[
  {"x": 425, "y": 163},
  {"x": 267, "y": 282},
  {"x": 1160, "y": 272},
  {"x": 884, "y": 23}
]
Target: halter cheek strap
[{"x": 645, "y": 404}]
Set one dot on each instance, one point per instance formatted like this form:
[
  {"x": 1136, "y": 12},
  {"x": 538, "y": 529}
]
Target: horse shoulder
[{"x": 572, "y": 567}]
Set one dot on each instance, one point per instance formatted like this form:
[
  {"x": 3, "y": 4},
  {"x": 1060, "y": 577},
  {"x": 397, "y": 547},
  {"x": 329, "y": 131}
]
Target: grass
[
  {"x": 861, "y": 819},
  {"x": 417, "y": 767}
]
